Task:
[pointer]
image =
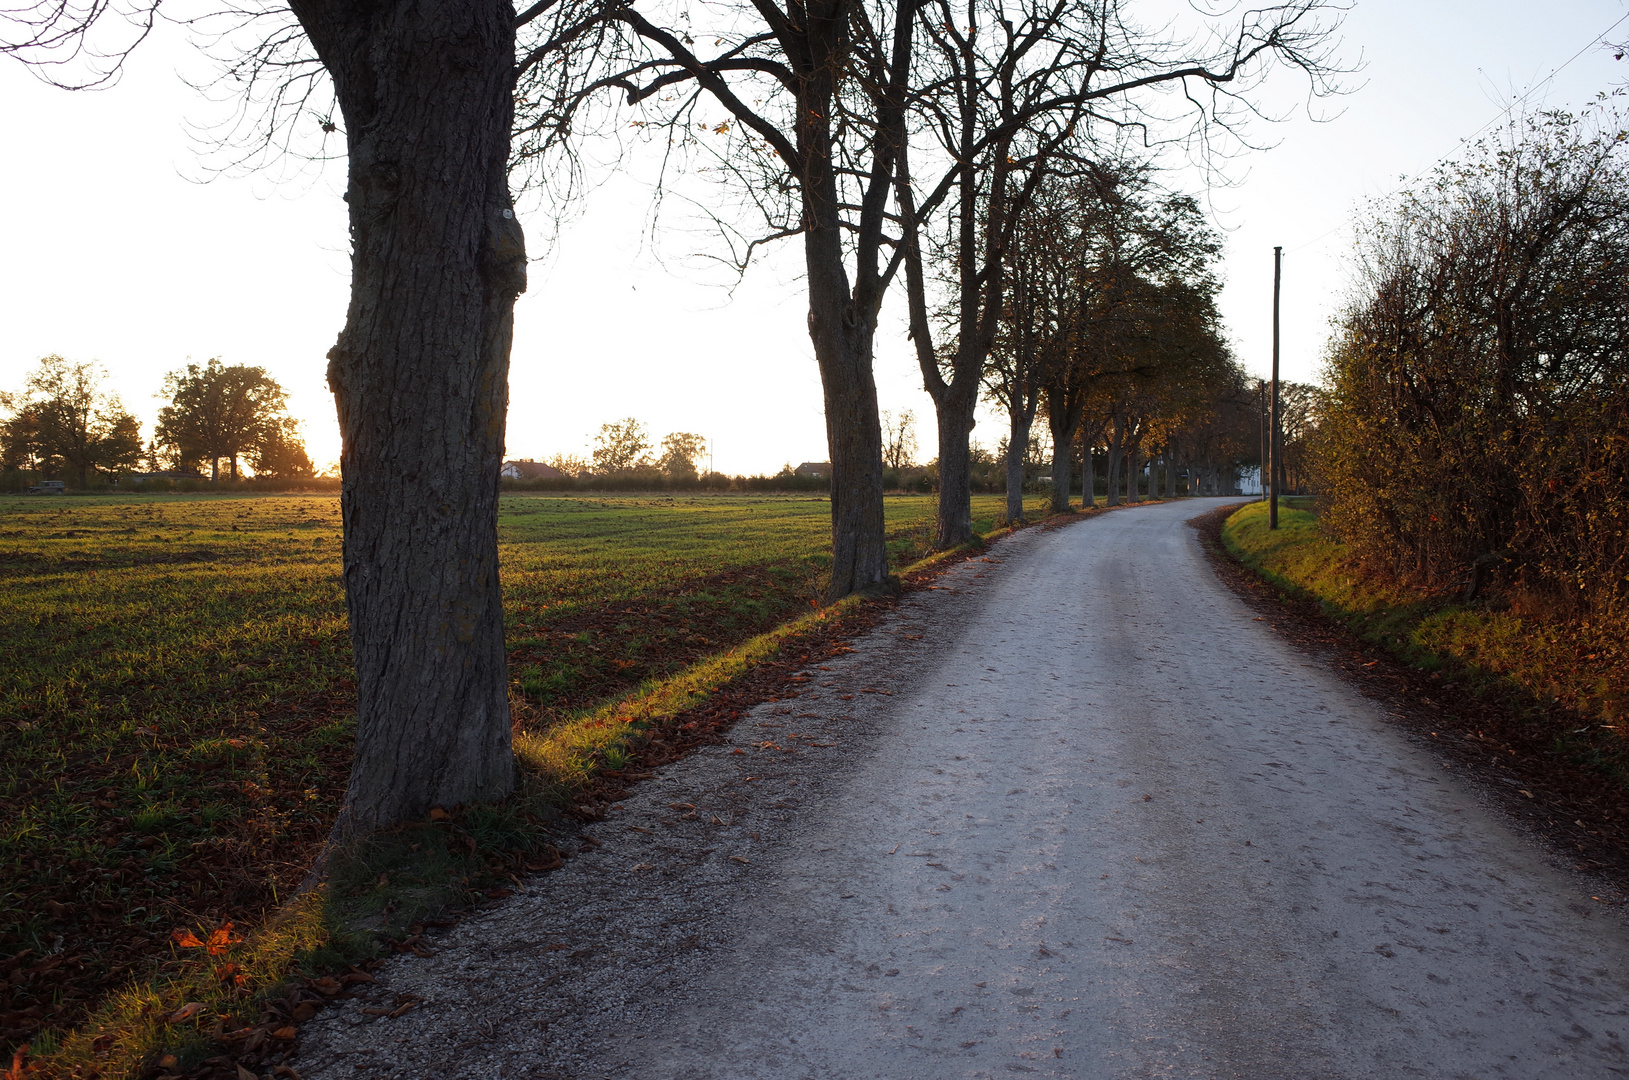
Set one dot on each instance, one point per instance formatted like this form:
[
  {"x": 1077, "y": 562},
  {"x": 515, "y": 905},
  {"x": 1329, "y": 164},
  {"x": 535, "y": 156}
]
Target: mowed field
[{"x": 176, "y": 708}]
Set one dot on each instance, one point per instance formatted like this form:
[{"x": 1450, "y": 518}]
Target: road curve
[{"x": 1106, "y": 824}]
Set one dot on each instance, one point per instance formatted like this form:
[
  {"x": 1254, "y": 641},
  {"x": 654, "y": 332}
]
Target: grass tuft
[{"x": 1565, "y": 674}]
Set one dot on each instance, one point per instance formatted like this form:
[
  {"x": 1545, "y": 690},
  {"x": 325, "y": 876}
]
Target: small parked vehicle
[{"x": 49, "y": 487}]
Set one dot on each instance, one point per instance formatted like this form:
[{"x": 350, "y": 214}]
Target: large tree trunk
[
  {"x": 420, "y": 378},
  {"x": 1112, "y": 495},
  {"x": 843, "y": 330},
  {"x": 1063, "y": 418},
  {"x": 1060, "y": 475},
  {"x": 1088, "y": 480},
  {"x": 1017, "y": 442},
  {"x": 954, "y": 410},
  {"x": 853, "y": 434},
  {"x": 1133, "y": 474}
]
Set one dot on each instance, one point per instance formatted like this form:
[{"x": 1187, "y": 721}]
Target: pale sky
[{"x": 115, "y": 253}]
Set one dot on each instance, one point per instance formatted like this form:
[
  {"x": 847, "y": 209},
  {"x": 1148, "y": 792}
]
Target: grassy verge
[
  {"x": 177, "y": 717},
  {"x": 1564, "y": 679}
]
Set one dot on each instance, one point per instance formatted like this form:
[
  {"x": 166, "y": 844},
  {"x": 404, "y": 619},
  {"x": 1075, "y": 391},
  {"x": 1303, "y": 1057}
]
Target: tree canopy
[
  {"x": 234, "y": 411},
  {"x": 63, "y": 421}
]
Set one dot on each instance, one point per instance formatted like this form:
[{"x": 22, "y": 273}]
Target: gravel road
[{"x": 1073, "y": 813}]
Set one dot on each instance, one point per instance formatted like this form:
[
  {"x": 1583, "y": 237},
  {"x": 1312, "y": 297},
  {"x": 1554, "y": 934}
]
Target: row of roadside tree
[{"x": 897, "y": 142}]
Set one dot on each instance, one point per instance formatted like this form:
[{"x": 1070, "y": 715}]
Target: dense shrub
[{"x": 1477, "y": 426}]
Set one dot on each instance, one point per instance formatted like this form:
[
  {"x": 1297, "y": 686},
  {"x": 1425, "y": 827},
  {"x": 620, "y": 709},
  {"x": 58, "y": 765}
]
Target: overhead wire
[{"x": 1534, "y": 89}]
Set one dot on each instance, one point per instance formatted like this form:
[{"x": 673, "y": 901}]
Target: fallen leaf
[
  {"x": 553, "y": 862},
  {"x": 326, "y": 986},
  {"x": 304, "y": 1011},
  {"x": 402, "y": 1009},
  {"x": 740, "y": 859},
  {"x": 186, "y": 938},
  {"x": 186, "y": 1012},
  {"x": 438, "y": 814},
  {"x": 1524, "y": 791},
  {"x": 285, "y": 1032},
  {"x": 286, "y": 1070},
  {"x": 245, "y": 1074},
  {"x": 642, "y": 866},
  {"x": 221, "y": 940},
  {"x": 168, "y": 1061}
]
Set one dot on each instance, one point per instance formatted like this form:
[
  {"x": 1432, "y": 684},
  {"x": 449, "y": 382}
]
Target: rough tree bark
[
  {"x": 842, "y": 332},
  {"x": 1021, "y": 418},
  {"x": 1063, "y": 418},
  {"x": 843, "y": 315},
  {"x": 1112, "y": 493},
  {"x": 420, "y": 378},
  {"x": 809, "y": 50}
]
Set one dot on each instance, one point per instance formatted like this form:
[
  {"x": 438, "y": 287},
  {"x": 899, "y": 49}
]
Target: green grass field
[{"x": 176, "y": 711}]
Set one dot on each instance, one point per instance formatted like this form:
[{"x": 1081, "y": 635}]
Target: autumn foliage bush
[{"x": 1476, "y": 432}]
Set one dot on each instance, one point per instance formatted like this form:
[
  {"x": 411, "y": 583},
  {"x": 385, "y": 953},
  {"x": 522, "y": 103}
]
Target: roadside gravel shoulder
[
  {"x": 1579, "y": 816},
  {"x": 541, "y": 984}
]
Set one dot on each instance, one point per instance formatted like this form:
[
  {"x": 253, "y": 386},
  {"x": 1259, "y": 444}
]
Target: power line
[{"x": 1535, "y": 88}]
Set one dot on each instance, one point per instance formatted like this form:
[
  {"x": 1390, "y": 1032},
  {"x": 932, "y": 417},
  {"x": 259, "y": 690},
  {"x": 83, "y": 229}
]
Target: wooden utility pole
[{"x": 1275, "y": 446}]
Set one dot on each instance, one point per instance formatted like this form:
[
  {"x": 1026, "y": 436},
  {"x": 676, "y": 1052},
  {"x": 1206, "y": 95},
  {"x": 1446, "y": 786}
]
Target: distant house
[
  {"x": 527, "y": 469},
  {"x": 818, "y": 470}
]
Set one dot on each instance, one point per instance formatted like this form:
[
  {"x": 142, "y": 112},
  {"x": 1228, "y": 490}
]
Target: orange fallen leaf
[
  {"x": 186, "y": 1012},
  {"x": 438, "y": 814},
  {"x": 285, "y": 1032},
  {"x": 221, "y": 940},
  {"x": 186, "y": 938}
]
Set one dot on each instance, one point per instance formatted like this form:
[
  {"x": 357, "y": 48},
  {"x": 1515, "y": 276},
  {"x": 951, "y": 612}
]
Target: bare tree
[
  {"x": 1006, "y": 95},
  {"x": 425, "y": 98},
  {"x": 898, "y": 439},
  {"x": 807, "y": 103}
]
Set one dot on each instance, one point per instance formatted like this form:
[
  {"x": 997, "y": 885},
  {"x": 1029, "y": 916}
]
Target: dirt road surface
[{"x": 1073, "y": 813}]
